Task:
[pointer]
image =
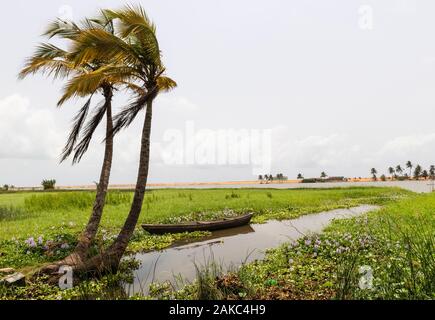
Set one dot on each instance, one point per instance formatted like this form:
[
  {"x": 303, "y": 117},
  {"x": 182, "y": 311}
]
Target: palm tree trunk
[
  {"x": 81, "y": 251},
  {"x": 116, "y": 251},
  {"x": 109, "y": 260}
]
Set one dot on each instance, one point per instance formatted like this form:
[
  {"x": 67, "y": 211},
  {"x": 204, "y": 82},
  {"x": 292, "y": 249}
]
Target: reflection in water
[{"x": 231, "y": 247}]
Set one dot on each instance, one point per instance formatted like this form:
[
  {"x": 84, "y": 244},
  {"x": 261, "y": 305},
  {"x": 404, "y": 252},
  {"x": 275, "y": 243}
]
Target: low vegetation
[
  {"x": 387, "y": 254},
  {"x": 34, "y": 214},
  {"x": 38, "y": 228}
]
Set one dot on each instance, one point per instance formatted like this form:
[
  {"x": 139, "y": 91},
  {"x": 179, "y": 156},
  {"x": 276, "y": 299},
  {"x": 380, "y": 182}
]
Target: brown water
[{"x": 231, "y": 247}]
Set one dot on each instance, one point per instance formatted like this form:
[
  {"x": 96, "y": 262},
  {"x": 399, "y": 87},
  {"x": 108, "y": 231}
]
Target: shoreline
[{"x": 235, "y": 184}]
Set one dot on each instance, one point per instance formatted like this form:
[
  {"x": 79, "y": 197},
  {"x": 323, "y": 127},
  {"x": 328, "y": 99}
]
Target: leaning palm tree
[
  {"x": 136, "y": 46},
  {"x": 84, "y": 80},
  {"x": 432, "y": 172},
  {"x": 392, "y": 172},
  {"x": 399, "y": 169},
  {"x": 409, "y": 165},
  {"x": 417, "y": 172},
  {"x": 374, "y": 172}
]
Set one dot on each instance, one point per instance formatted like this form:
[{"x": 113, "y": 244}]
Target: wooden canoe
[{"x": 198, "y": 226}]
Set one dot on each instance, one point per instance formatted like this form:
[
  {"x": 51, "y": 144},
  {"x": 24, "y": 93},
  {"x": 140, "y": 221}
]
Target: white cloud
[
  {"x": 27, "y": 132},
  {"x": 334, "y": 150},
  {"x": 179, "y": 103},
  {"x": 411, "y": 146}
]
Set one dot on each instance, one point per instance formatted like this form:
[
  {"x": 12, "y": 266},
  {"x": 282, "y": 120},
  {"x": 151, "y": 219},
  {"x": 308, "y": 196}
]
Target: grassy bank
[{"x": 387, "y": 254}]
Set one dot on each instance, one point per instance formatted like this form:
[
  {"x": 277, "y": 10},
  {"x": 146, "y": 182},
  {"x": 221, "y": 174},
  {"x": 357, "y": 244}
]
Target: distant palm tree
[
  {"x": 374, "y": 172},
  {"x": 399, "y": 169},
  {"x": 425, "y": 174},
  {"x": 300, "y": 176},
  {"x": 432, "y": 172},
  {"x": 323, "y": 175},
  {"x": 392, "y": 172},
  {"x": 409, "y": 165},
  {"x": 417, "y": 172}
]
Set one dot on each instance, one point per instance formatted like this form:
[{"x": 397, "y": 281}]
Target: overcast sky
[{"x": 341, "y": 86}]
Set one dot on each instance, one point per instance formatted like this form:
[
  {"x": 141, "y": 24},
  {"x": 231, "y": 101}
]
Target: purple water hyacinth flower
[
  {"x": 64, "y": 246},
  {"x": 31, "y": 242},
  {"x": 339, "y": 250},
  {"x": 318, "y": 242},
  {"x": 308, "y": 242},
  {"x": 40, "y": 240},
  {"x": 316, "y": 247}
]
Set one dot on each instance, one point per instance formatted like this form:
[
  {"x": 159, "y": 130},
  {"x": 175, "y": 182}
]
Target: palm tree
[
  {"x": 399, "y": 169},
  {"x": 85, "y": 80},
  {"x": 409, "y": 166},
  {"x": 417, "y": 172},
  {"x": 432, "y": 172},
  {"x": 136, "y": 45},
  {"x": 374, "y": 172},
  {"x": 391, "y": 172},
  {"x": 425, "y": 174},
  {"x": 323, "y": 175},
  {"x": 300, "y": 176}
]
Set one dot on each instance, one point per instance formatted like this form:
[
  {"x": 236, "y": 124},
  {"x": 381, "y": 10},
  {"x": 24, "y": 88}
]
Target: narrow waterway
[{"x": 230, "y": 248}]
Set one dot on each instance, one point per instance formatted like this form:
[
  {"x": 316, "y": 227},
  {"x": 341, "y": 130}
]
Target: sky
[{"x": 276, "y": 86}]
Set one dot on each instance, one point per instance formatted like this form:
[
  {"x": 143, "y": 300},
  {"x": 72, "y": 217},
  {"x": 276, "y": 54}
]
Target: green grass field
[{"x": 25, "y": 215}]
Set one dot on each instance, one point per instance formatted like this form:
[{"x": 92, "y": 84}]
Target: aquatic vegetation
[
  {"x": 205, "y": 216},
  {"x": 142, "y": 241},
  {"x": 387, "y": 254}
]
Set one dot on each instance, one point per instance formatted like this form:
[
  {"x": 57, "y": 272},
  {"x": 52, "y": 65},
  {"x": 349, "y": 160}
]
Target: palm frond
[
  {"x": 165, "y": 84},
  {"x": 98, "y": 44},
  {"x": 47, "y": 59},
  {"x": 83, "y": 85},
  {"x": 88, "y": 132},
  {"x": 126, "y": 117},
  {"x": 136, "y": 89},
  {"x": 78, "y": 122},
  {"x": 136, "y": 26},
  {"x": 62, "y": 29}
]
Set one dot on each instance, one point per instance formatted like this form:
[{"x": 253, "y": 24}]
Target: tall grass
[
  {"x": 403, "y": 256},
  {"x": 73, "y": 200},
  {"x": 10, "y": 213}
]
